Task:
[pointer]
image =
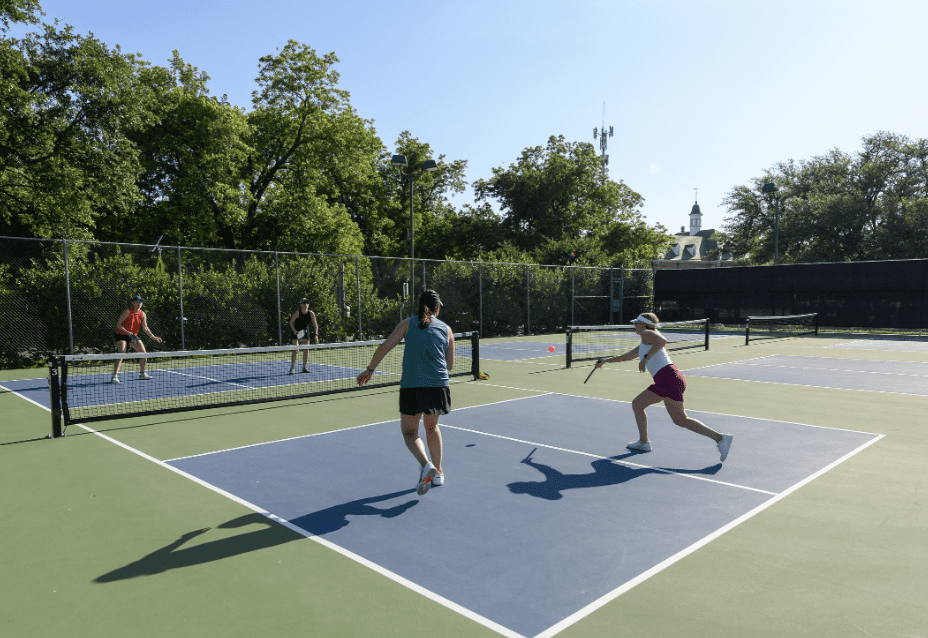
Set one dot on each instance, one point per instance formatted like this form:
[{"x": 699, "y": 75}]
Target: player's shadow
[
  {"x": 336, "y": 517},
  {"x": 174, "y": 555},
  {"x": 605, "y": 472}
]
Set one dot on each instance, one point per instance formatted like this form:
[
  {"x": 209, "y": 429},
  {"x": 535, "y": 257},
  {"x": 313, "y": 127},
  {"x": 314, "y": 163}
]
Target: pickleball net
[
  {"x": 83, "y": 391},
  {"x": 597, "y": 342},
  {"x": 780, "y": 326}
]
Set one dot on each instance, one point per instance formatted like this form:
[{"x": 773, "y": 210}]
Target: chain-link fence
[{"x": 66, "y": 296}]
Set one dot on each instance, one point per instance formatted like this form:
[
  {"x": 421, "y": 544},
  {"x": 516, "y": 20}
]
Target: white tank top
[{"x": 656, "y": 361}]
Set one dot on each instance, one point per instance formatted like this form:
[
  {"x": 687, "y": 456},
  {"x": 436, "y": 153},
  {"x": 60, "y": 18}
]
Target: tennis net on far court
[
  {"x": 781, "y": 326},
  {"x": 83, "y": 390},
  {"x": 597, "y": 342}
]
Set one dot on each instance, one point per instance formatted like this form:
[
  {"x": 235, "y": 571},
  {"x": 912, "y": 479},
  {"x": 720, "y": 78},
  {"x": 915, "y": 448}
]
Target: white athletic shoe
[
  {"x": 291, "y": 371},
  {"x": 115, "y": 379},
  {"x": 425, "y": 479},
  {"x": 144, "y": 376},
  {"x": 439, "y": 479},
  {"x": 639, "y": 446},
  {"x": 724, "y": 446}
]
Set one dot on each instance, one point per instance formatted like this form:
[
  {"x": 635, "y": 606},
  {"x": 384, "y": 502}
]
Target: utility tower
[{"x": 602, "y": 136}]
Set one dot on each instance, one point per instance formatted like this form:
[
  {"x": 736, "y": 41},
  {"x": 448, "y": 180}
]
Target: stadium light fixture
[{"x": 410, "y": 174}]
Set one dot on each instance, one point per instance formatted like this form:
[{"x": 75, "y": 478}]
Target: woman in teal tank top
[{"x": 425, "y": 392}]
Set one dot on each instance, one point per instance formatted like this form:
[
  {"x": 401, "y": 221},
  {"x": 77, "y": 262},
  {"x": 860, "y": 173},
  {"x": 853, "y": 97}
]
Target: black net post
[
  {"x": 475, "y": 355},
  {"x": 816, "y": 324},
  {"x": 707, "y": 333},
  {"x": 747, "y": 332},
  {"x": 55, "y": 396},
  {"x": 180, "y": 298},
  {"x": 569, "y": 347}
]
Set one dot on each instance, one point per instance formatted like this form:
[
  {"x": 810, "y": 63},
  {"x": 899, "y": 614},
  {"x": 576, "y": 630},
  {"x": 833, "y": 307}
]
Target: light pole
[
  {"x": 410, "y": 174},
  {"x": 770, "y": 187}
]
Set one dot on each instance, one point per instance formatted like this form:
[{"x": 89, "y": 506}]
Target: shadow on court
[
  {"x": 336, "y": 517},
  {"x": 174, "y": 556},
  {"x": 605, "y": 472}
]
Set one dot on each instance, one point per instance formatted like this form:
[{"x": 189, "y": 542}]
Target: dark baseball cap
[{"x": 138, "y": 299}]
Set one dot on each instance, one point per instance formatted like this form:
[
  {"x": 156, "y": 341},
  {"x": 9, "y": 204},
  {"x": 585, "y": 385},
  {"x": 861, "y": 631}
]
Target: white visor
[{"x": 644, "y": 320}]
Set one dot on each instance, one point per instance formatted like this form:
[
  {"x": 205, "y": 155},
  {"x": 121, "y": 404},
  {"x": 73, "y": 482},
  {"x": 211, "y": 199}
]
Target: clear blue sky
[{"x": 700, "y": 94}]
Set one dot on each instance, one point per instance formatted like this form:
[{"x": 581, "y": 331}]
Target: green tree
[
  {"x": 65, "y": 159},
  {"x": 558, "y": 198},
  {"x": 836, "y": 206},
  {"x": 23, "y": 11},
  {"x": 309, "y": 152},
  {"x": 192, "y": 154}
]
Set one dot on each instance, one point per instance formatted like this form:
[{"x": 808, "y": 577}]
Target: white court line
[
  {"x": 305, "y": 436},
  {"x": 894, "y": 374},
  {"x": 22, "y": 396},
  {"x": 200, "y": 376},
  {"x": 467, "y": 613},
  {"x": 606, "y": 458},
  {"x": 554, "y": 629},
  {"x": 615, "y": 593},
  {"x": 819, "y": 387}
]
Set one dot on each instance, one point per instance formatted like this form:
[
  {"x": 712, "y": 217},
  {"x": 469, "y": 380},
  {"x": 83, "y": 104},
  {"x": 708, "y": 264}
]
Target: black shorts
[
  {"x": 415, "y": 401},
  {"x": 122, "y": 337}
]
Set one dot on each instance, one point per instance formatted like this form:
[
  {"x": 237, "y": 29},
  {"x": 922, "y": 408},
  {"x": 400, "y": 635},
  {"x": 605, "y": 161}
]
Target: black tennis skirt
[{"x": 415, "y": 401}]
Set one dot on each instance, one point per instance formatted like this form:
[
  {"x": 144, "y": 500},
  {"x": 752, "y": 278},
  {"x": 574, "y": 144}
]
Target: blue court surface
[
  {"x": 517, "y": 350},
  {"x": 544, "y": 515},
  {"x": 889, "y": 345},
  {"x": 901, "y": 377}
]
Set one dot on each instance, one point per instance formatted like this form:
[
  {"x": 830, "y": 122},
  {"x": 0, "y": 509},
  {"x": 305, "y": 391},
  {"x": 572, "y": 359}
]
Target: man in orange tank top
[{"x": 131, "y": 321}]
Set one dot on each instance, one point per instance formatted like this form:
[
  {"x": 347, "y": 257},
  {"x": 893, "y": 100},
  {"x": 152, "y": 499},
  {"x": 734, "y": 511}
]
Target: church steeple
[{"x": 695, "y": 219}]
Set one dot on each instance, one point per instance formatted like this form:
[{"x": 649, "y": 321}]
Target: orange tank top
[{"x": 133, "y": 323}]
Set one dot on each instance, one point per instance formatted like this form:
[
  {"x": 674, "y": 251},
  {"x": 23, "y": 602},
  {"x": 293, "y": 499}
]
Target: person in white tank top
[{"x": 669, "y": 385}]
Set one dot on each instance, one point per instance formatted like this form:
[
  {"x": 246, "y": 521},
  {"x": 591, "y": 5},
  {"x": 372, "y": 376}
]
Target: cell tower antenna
[{"x": 602, "y": 135}]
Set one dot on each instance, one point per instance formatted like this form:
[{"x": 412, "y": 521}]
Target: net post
[
  {"x": 55, "y": 397},
  {"x": 707, "y": 333},
  {"x": 528, "y": 302},
  {"x": 747, "y": 333},
  {"x": 569, "y": 346},
  {"x": 280, "y": 326},
  {"x": 357, "y": 279},
  {"x": 475, "y": 355},
  {"x": 816, "y": 324}
]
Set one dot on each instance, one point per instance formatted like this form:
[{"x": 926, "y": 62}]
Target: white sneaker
[
  {"x": 439, "y": 479},
  {"x": 144, "y": 376},
  {"x": 115, "y": 379},
  {"x": 425, "y": 479},
  {"x": 639, "y": 446},
  {"x": 291, "y": 371},
  {"x": 725, "y": 445}
]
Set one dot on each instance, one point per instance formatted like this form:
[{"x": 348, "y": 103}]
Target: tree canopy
[
  {"x": 99, "y": 144},
  {"x": 872, "y": 204}
]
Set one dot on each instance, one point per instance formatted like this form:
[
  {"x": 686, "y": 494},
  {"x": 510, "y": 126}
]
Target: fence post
[
  {"x": 621, "y": 292},
  {"x": 573, "y": 294},
  {"x": 480, "y": 290},
  {"x": 611, "y": 295},
  {"x": 280, "y": 326},
  {"x": 357, "y": 278},
  {"x": 180, "y": 297},
  {"x": 67, "y": 290},
  {"x": 528, "y": 300}
]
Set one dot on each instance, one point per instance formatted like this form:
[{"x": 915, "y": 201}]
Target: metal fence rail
[{"x": 65, "y": 297}]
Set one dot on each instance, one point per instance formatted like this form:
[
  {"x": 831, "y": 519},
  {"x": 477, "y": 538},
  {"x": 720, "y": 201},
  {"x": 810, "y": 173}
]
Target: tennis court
[{"x": 300, "y": 516}]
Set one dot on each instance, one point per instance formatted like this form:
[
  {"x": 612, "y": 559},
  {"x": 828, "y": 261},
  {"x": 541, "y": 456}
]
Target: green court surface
[{"x": 99, "y": 538}]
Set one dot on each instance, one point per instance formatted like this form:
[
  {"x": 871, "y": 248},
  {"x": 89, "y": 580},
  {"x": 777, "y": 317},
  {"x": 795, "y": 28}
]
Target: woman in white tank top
[{"x": 669, "y": 385}]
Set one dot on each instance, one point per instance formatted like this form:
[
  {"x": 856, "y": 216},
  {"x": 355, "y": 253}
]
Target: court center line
[{"x": 606, "y": 458}]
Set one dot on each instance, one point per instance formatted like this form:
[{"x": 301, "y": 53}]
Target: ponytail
[
  {"x": 425, "y": 316},
  {"x": 428, "y": 306}
]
